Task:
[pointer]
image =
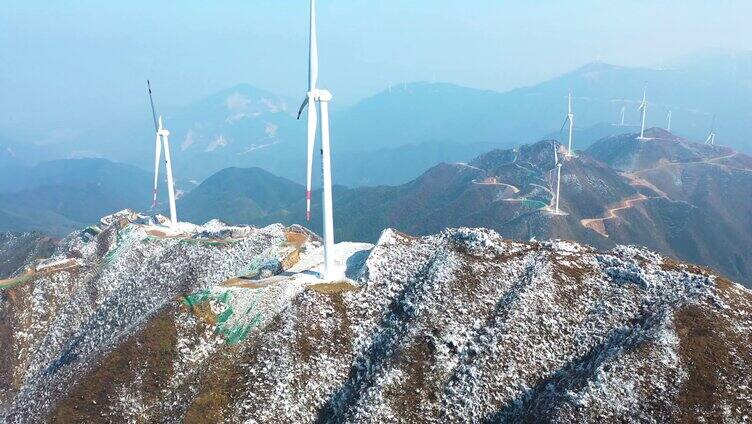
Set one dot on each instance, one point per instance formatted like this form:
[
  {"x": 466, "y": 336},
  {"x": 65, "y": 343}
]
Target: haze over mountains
[
  {"x": 246, "y": 126},
  {"x": 386, "y": 149},
  {"x": 59, "y": 196}
]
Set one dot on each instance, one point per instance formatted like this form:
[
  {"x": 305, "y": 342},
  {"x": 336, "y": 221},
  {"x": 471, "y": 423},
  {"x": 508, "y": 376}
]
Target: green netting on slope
[
  {"x": 233, "y": 326},
  {"x": 122, "y": 239},
  {"x": 197, "y": 298},
  {"x": 537, "y": 204},
  {"x": 261, "y": 262},
  {"x": 236, "y": 334}
]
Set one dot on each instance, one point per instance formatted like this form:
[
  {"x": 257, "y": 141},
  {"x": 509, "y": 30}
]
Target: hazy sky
[{"x": 62, "y": 63}]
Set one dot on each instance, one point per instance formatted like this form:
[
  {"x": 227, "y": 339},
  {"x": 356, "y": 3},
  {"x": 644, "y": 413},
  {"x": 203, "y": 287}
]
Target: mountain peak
[
  {"x": 628, "y": 152},
  {"x": 489, "y": 329}
]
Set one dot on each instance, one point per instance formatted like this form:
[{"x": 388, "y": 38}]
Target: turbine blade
[
  {"x": 151, "y": 101},
  {"x": 302, "y": 107},
  {"x": 313, "y": 53},
  {"x": 312, "y": 123},
  {"x": 564, "y": 124}
]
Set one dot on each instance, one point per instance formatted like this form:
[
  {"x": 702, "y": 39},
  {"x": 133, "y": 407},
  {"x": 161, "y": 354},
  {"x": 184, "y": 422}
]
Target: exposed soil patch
[
  {"x": 332, "y": 288},
  {"x": 296, "y": 238}
]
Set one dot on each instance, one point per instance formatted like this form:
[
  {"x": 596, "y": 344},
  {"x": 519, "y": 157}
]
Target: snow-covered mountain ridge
[{"x": 132, "y": 322}]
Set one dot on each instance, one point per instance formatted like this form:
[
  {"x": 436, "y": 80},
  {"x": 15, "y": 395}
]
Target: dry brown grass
[
  {"x": 203, "y": 313},
  {"x": 705, "y": 346},
  {"x": 222, "y": 383},
  {"x": 152, "y": 351},
  {"x": 7, "y": 357},
  {"x": 418, "y": 387}
]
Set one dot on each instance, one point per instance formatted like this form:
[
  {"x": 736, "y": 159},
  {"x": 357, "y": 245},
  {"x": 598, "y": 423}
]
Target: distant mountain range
[
  {"x": 687, "y": 200},
  {"x": 59, "y": 196},
  {"x": 684, "y": 199},
  {"x": 244, "y": 126}
]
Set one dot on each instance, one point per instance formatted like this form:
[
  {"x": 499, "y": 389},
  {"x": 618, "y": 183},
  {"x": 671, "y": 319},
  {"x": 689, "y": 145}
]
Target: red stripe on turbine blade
[
  {"x": 308, "y": 216},
  {"x": 308, "y": 195}
]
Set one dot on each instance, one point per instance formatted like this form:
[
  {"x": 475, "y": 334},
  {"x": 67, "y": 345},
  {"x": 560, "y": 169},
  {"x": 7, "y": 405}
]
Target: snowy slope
[{"x": 232, "y": 324}]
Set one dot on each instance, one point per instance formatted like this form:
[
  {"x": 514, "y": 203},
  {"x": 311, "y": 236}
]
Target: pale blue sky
[{"x": 62, "y": 63}]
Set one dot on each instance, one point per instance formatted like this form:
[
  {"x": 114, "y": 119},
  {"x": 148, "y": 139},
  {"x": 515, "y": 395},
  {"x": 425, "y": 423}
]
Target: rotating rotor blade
[
  {"x": 313, "y": 51},
  {"x": 302, "y": 107},
  {"x": 151, "y": 101}
]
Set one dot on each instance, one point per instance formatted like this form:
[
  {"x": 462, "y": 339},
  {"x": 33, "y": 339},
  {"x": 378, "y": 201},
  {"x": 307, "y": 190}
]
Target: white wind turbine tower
[
  {"x": 644, "y": 109},
  {"x": 558, "y": 178},
  {"x": 711, "y": 137},
  {"x": 623, "y": 111},
  {"x": 162, "y": 142},
  {"x": 668, "y": 127},
  {"x": 322, "y": 97},
  {"x": 569, "y": 118}
]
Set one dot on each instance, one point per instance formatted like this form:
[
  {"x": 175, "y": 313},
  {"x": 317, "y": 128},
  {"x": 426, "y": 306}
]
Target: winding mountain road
[
  {"x": 597, "y": 225},
  {"x": 635, "y": 180}
]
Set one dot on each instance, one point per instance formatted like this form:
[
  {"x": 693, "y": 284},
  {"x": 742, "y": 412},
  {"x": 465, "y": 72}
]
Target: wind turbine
[
  {"x": 623, "y": 111},
  {"x": 322, "y": 97},
  {"x": 711, "y": 137},
  {"x": 668, "y": 127},
  {"x": 558, "y": 177},
  {"x": 644, "y": 109},
  {"x": 162, "y": 141},
  {"x": 569, "y": 118}
]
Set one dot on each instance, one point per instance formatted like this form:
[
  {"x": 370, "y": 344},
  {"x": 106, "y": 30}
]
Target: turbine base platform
[{"x": 553, "y": 212}]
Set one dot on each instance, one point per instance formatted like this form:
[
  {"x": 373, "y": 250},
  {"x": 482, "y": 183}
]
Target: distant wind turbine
[
  {"x": 569, "y": 118},
  {"x": 162, "y": 142},
  {"x": 644, "y": 109},
  {"x": 623, "y": 111},
  {"x": 711, "y": 137},
  {"x": 668, "y": 127},
  {"x": 322, "y": 97},
  {"x": 558, "y": 177}
]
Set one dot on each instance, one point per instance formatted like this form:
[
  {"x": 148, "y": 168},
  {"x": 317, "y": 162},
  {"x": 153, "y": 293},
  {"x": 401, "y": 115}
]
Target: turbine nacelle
[
  {"x": 162, "y": 131},
  {"x": 319, "y": 95}
]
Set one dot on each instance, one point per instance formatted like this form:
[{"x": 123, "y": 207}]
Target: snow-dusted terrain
[{"x": 134, "y": 322}]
